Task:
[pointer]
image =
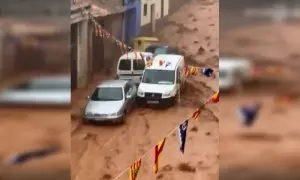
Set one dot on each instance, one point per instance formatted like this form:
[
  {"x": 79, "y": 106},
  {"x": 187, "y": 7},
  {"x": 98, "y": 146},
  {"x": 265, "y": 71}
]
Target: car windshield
[
  {"x": 154, "y": 76},
  {"x": 107, "y": 94},
  {"x": 125, "y": 64},
  {"x": 160, "y": 50}
]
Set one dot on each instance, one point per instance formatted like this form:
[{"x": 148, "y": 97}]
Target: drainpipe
[
  {"x": 1, "y": 53},
  {"x": 153, "y": 19}
]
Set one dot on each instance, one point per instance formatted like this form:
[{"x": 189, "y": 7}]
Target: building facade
[
  {"x": 153, "y": 10},
  {"x": 131, "y": 20},
  {"x": 92, "y": 54}
]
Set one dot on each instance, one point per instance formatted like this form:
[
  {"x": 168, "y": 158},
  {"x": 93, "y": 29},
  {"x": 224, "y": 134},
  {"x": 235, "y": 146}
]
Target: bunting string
[
  {"x": 103, "y": 33},
  {"x": 189, "y": 70},
  {"x": 195, "y": 116}
]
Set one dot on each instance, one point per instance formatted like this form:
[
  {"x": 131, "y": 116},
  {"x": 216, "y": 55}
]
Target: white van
[
  {"x": 233, "y": 72},
  {"x": 131, "y": 66},
  {"x": 162, "y": 82}
]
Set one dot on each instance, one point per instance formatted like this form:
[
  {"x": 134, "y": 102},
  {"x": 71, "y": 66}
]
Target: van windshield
[
  {"x": 125, "y": 65},
  {"x": 154, "y": 76},
  {"x": 138, "y": 64}
]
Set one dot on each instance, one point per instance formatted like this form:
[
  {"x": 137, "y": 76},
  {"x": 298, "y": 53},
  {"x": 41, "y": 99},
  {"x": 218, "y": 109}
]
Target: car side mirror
[{"x": 128, "y": 96}]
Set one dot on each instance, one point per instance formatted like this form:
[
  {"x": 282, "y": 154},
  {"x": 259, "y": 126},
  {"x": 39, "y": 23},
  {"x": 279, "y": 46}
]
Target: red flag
[
  {"x": 186, "y": 71},
  {"x": 142, "y": 56},
  {"x": 215, "y": 98},
  {"x": 134, "y": 169},
  {"x": 107, "y": 35},
  {"x": 196, "y": 114},
  {"x": 157, "y": 150}
]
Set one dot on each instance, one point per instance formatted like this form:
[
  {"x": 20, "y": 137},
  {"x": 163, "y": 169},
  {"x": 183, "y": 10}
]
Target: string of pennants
[
  {"x": 158, "y": 148},
  {"x": 103, "y": 33},
  {"x": 182, "y": 128}
]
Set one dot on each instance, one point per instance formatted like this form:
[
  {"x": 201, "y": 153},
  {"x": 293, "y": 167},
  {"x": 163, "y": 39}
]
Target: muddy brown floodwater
[
  {"x": 25, "y": 129},
  {"x": 103, "y": 152},
  {"x": 269, "y": 149}
]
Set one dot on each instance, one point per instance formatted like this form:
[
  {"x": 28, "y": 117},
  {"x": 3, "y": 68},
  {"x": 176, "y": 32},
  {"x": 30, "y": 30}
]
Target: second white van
[{"x": 131, "y": 66}]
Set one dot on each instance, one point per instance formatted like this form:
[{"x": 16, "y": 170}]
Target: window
[
  {"x": 145, "y": 9},
  {"x": 125, "y": 64},
  {"x": 138, "y": 64},
  {"x": 150, "y": 49},
  {"x": 154, "y": 76},
  {"x": 160, "y": 50},
  {"x": 107, "y": 94}
]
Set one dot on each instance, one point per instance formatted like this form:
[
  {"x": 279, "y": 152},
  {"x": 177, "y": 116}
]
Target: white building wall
[{"x": 147, "y": 18}]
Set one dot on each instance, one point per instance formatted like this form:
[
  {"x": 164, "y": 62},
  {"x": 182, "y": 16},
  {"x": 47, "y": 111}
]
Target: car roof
[
  {"x": 51, "y": 79},
  {"x": 227, "y": 63},
  {"x": 159, "y": 45},
  {"x": 113, "y": 83},
  {"x": 170, "y": 59},
  {"x": 135, "y": 55}
]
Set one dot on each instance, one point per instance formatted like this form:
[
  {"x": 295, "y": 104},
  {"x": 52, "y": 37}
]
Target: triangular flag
[
  {"x": 107, "y": 35},
  {"x": 100, "y": 31},
  {"x": 249, "y": 113},
  {"x": 182, "y": 134},
  {"x": 186, "y": 71},
  {"x": 214, "y": 98},
  {"x": 208, "y": 72},
  {"x": 143, "y": 58},
  {"x": 194, "y": 71},
  {"x": 157, "y": 150},
  {"x": 196, "y": 114},
  {"x": 134, "y": 169}
]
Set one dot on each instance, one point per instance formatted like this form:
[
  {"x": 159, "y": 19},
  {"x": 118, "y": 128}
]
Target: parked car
[
  {"x": 162, "y": 82},
  {"x": 111, "y": 102},
  {"x": 233, "y": 72},
  {"x": 162, "y": 49},
  {"x": 47, "y": 90},
  {"x": 131, "y": 66}
]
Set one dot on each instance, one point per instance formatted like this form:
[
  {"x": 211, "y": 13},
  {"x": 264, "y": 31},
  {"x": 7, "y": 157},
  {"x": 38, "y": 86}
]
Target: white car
[
  {"x": 233, "y": 72},
  {"x": 162, "y": 82},
  {"x": 110, "y": 102},
  {"x": 48, "y": 90}
]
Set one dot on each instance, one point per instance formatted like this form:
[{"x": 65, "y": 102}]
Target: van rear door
[
  {"x": 125, "y": 69},
  {"x": 138, "y": 69}
]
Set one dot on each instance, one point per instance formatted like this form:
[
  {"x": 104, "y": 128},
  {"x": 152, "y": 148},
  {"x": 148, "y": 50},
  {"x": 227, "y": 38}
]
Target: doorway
[
  {"x": 73, "y": 45},
  {"x": 153, "y": 19}
]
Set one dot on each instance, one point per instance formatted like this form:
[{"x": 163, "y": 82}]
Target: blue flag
[
  {"x": 249, "y": 113},
  {"x": 182, "y": 134},
  {"x": 208, "y": 72}
]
